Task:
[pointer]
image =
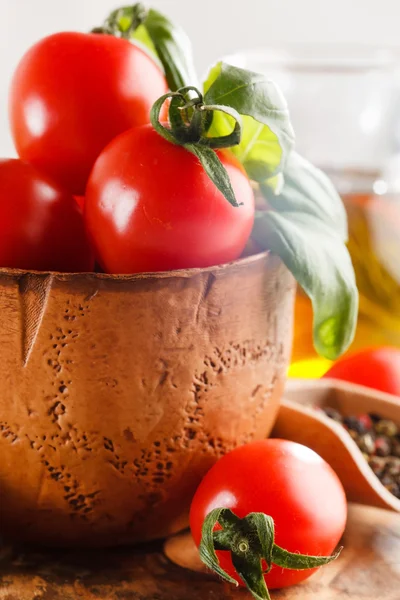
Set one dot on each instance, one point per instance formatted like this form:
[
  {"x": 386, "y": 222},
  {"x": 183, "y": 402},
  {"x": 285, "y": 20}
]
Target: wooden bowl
[
  {"x": 299, "y": 421},
  {"x": 118, "y": 393}
]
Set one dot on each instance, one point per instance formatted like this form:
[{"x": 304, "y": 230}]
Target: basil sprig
[
  {"x": 306, "y": 225},
  {"x": 304, "y": 221},
  {"x": 267, "y": 133}
]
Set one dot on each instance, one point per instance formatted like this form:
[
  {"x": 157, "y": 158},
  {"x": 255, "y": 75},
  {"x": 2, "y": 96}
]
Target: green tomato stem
[
  {"x": 189, "y": 119},
  {"x": 167, "y": 42},
  {"x": 194, "y": 127},
  {"x": 124, "y": 21},
  {"x": 250, "y": 541}
]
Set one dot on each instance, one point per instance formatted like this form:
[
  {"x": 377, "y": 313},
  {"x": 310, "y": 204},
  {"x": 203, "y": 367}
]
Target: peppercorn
[
  {"x": 396, "y": 447},
  {"x": 377, "y": 464},
  {"x": 353, "y": 434},
  {"x": 354, "y": 424},
  {"x": 393, "y": 467},
  {"x": 392, "y": 488},
  {"x": 382, "y": 446},
  {"x": 389, "y": 483},
  {"x": 366, "y": 443},
  {"x": 332, "y": 413},
  {"x": 374, "y": 417},
  {"x": 386, "y": 427},
  {"x": 379, "y": 441}
]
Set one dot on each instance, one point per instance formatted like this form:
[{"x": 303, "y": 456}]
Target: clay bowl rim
[{"x": 175, "y": 273}]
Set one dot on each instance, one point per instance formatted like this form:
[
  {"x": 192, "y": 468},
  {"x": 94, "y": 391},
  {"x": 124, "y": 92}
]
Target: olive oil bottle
[{"x": 374, "y": 245}]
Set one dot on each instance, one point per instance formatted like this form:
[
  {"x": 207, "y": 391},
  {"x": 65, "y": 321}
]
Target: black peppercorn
[
  {"x": 389, "y": 483},
  {"x": 396, "y": 447},
  {"x": 379, "y": 441},
  {"x": 378, "y": 465},
  {"x": 393, "y": 467},
  {"x": 355, "y": 424},
  {"x": 392, "y": 488},
  {"x": 374, "y": 417}
]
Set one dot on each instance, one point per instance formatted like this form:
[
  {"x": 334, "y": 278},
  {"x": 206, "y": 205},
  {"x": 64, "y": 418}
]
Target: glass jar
[{"x": 345, "y": 108}]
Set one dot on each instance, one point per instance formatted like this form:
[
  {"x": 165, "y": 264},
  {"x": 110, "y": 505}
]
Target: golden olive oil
[{"x": 374, "y": 245}]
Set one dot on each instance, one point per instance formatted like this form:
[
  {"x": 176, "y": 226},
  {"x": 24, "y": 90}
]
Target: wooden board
[{"x": 369, "y": 568}]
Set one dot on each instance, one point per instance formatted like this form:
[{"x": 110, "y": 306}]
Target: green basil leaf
[
  {"x": 273, "y": 185},
  {"x": 141, "y": 38},
  {"x": 268, "y": 136},
  {"x": 319, "y": 260},
  {"x": 308, "y": 190},
  {"x": 172, "y": 47}
]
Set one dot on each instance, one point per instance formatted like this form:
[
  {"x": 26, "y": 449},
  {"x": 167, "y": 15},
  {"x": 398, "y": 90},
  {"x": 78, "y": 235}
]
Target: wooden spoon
[{"x": 299, "y": 421}]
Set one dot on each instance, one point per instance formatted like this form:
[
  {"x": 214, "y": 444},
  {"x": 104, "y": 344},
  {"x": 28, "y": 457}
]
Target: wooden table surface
[{"x": 369, "y": 568}]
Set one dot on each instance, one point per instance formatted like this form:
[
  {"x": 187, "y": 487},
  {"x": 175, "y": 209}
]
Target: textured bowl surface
[{"x": 117, "y": 394}]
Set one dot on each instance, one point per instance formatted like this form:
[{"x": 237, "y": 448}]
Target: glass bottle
[{"x": 345, "y": 108}]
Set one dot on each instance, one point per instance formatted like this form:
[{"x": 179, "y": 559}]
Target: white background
[{"x": 216, "y": 27}]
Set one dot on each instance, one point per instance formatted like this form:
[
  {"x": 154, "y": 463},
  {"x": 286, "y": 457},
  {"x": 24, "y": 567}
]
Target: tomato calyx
[
  {"x": 166, "y": 42},
  {"x": 189, "y": 117},
  {"x": 250, "y": 541},
  {"x": 189, "y": 121},
  {"x": 123, "y": 21}
]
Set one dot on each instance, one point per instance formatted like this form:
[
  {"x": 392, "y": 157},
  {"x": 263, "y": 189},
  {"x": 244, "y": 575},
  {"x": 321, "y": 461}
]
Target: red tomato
[
  {"x": 80, "y": 200},
  {"x": 42, "y": 227},
  {"x": 377, "y": 368},
  {"x": 150, "y": 206},
  {"x": 72, "y": 93},
  {"x": 286, "y": 481}
]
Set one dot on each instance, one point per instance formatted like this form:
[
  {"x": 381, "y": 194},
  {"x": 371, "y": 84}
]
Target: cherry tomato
[
  {"x": 286, "y": 481},
  {"x": 377, "y": 368},
  {"x": 42, "y": 227},
  {"x": 80, "y": 200},
  {"x": 72, "y": 93},
  {"x": 150, "y": 206}
]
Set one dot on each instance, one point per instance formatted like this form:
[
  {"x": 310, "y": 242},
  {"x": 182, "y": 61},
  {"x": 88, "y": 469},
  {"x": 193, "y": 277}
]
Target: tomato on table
[
  {"x": 150, "y": 206},
  {"x": 377, "y": 368},
  {"x": 72, "y": 93},
  {"x": 285, "y": 481},
  {"x": 41, "y": 225}
]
